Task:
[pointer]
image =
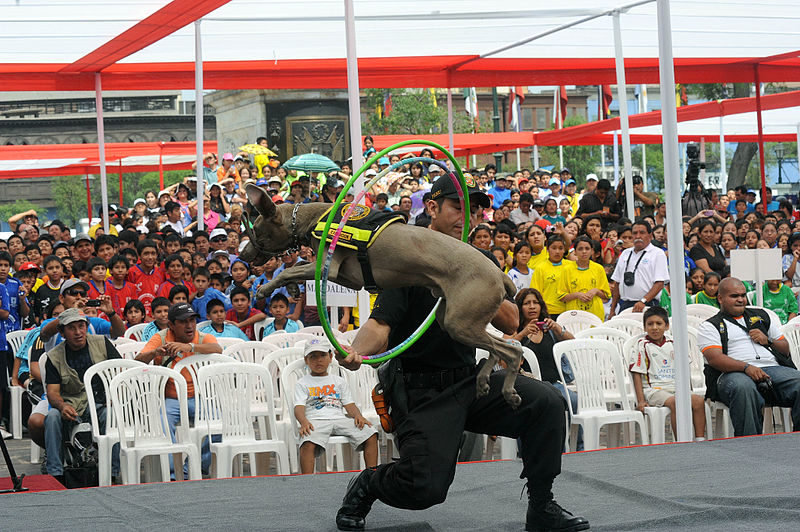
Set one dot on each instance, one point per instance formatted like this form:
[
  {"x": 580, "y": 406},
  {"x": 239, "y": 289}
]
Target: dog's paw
[
  {"x": 482, "y": 386},
  {"x": 264, "y": 291},
  {"x": 512, "y": 398}
]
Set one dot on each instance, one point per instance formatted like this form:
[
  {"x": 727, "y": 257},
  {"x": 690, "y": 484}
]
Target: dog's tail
[{"x": 511, "y": 289}]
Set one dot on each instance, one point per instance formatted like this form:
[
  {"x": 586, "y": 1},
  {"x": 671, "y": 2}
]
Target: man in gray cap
[
  {"x": 84, "y": 246},
  {"x": 66, "y": 365}
]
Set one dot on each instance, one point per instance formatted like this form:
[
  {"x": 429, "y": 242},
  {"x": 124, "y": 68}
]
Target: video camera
[{"x": 693, "y": 165}]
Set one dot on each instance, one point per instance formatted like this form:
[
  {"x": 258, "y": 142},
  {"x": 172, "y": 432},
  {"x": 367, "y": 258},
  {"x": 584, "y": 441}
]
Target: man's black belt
[{"x": 438, "y": 379}]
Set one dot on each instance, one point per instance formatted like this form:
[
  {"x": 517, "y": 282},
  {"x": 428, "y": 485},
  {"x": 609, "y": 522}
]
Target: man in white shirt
[
  {"x": 173, "y": 210},
  {"x": 751, "y": 360},
  {"x": 640, "y": 273},
  {"x": 524, "y": 213}
]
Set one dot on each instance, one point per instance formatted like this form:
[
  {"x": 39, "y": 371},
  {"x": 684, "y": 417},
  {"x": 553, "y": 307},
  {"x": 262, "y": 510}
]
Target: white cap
[
  {"x": 163, "y": 193},
  {"x": 218, "y": 232},
  {"x": 317, "y": 344},
  {"x": 591, "y": 177},
  {"x": 370, "y": 172},
  {"x": 137, "y": 201}
]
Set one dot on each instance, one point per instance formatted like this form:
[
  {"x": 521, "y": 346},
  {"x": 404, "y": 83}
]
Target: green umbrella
[{"x": 310, "y": 162}]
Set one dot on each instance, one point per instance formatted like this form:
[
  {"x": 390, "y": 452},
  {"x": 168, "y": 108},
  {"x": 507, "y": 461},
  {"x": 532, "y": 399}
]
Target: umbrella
[
  {"x": 257, "y": 149},
  {"x": 310, "y": 162}
]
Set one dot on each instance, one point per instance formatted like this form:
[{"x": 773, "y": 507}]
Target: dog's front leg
[{"x": 301, "y": 272}]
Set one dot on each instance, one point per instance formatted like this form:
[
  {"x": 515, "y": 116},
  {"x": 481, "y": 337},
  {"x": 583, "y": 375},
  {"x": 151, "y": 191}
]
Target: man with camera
[
  {"x": 66, "y": 365},
  {"x": 640, "y": 273},
  {"x": 748, "y": 364}
]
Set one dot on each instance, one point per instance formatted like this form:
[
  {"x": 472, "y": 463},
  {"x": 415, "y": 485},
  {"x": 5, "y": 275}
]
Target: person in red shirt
[
  {"x": 242, "y": 314},
  {"x": 174, "y": 268},
  {"x": 145, "y": 276},
  {"x": 97, "y": 277},
  {"x": 117, "y": 287}
]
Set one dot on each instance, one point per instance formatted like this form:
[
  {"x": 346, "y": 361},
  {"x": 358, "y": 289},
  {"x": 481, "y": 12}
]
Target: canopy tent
[
  {"x": 46, "y": 160},
  {"x": 288, "y": 45},
  {"x": 466, "y": 144}
]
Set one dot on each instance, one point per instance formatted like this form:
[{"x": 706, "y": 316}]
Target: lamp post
[{"x": 780, "y": 151}]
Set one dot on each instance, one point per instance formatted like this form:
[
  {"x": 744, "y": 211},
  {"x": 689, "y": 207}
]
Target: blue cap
[
  {"x": 569, "y": 182},
  {"x": 554, "y": 181},
  {"x": 261, "y": 181},
  {"x": 383, "y": 160}
]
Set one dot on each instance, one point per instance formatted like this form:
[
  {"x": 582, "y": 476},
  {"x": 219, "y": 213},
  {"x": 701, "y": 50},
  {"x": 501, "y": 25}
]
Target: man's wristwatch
[
  {"x": 113, "y": 313},
  {"x": 643, "y": 300}
]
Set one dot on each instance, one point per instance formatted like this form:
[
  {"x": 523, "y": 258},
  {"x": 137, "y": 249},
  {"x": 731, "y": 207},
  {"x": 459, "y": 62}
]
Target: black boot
[
  {"x": 357, "y": 502},
  {"x": 551, "y": 516}
]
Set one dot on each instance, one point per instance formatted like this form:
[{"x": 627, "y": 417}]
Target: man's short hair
[
  {"x": 129, "y": 237},
  {"x": 105, "y": 240},
  {"x": 172, "y": 237},
  {"x": 94, "y": 262},
  {"x": 644, "y": 224},
  {"x": 526, "y": 196},
  {"x": 178, "y": 289},
  {"x": 604, "y": 184},
  {"x": 382, "y": 196},
  {"x": 240, "y": 290},
  {"x": 277, "y": 298},
  {"x": 661, "y": 312},
  {"x": 171, "y": 206},
  {"x": 147, "y": 243},
  {"x": 214, "y": 303},
  {"x": 201, "y": 272},
  {"x": 6, "y": 256},
  {"x": 159, "y": 302}
]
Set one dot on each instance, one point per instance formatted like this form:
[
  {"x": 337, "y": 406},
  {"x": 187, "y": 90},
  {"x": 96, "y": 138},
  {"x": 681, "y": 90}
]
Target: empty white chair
[
  {"x": 578, "y": 320},
  {"x": 130, "y": 350},
  {"x": 206, "y": 420},
  {"x": 618, "y": 337},
  {"x": 253, "y": 352},
  {"x": 15, "y": 339},
  {"x": 692, "y": 321},
  {"x": 287, "y": 339},
  {"x": 701, "y": 310},
  {"x": 227, "y": 342},
  {"x": 792, "y": 333},
  {"x": 276, "y": 362},
  {"x": 201, "y": 324},
  {"x": 233, "y": 384},
  {"x": 631, "y": 327},
  {"x": 134, "y": 332},
  {"x": 588, "y": 358},
  {"x": 105, "y": 371},
  {"x": 137, "y": 397}
]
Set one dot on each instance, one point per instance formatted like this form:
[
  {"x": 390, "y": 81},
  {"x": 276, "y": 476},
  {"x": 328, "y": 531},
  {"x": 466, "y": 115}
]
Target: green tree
[
  {"x": 20, "y": 205},
  {"x": 581, "y": 160},
  {"x": 414, "y": 113},
  {"x": 69, "y": 194}
]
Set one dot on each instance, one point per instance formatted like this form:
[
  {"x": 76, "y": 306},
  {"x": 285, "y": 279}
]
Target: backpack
[{"x": 762, "y": 324}]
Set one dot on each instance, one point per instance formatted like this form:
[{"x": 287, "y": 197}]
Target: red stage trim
[{"x": 34, "y": 483}]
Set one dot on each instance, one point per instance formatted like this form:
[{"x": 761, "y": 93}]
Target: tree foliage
[
  {"x": 414, "y": 113},
  {"x": 20, "y": 205},
  {"x": 581, "y": 160}
]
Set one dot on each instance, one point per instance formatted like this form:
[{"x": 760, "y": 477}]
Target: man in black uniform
[{"x": 432, "y": 391}]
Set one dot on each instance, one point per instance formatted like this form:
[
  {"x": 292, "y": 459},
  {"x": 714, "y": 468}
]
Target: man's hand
[
  {"x": 756, "y": 373},
  {"x": 352, "y": 361},
  {"x": 67, "y": 412},
  {"x": 175, "y": 348},
  {"x": 638, "y": 307},
  {"x": 360, "y": 421},
  {"x": 105, "y": 305},
  {"x": 641, "y": 405},
  {"x": 759, "y": 337},
  {"x": 15, "y": 381},
  {"x": 305, "y": 428}
]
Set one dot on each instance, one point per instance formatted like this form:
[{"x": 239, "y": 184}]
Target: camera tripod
[{"x": 16, "y": 481}]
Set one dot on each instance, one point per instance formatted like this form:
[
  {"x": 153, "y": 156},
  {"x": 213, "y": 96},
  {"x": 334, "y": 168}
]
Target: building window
[
  {"x": 542, "y": 122},
  {"x": 527, "y": 118}
]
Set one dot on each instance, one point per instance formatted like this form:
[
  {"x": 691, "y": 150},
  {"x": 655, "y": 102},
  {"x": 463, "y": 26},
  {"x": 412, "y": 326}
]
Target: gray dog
[{"x": 473, "y": 279}]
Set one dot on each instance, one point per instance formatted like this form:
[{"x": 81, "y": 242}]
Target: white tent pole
[
  {"x": 198, "y": 122},
  {"x": 101, "y": 149},
  {"x": 622, "y": 97},
  {"x": 450, "y": 139},
  {"x": 723, "y": 164},
  {"x": 616, "y": 159},
  {"x": 672, "y": 188},
  {"x": 559, "y": 118},
  {"x": 519, "y": 164},
  {"x": 643, "y": 109},
  {"x": 354, "y": 112}
]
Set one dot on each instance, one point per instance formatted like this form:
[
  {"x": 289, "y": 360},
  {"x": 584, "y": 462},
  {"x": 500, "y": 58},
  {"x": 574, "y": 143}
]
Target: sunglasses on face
[{"x": 76, "y": 293}]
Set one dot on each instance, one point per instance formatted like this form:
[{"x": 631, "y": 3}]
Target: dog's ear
[{"x": 261, "y": 201}]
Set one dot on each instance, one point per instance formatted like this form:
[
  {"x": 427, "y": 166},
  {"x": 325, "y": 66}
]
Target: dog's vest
[{"x": 360, "y": 231}]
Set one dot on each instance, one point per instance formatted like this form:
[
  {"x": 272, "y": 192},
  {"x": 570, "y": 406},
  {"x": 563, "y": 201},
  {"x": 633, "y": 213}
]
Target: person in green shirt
[
  {"x": 665, "y": 298},
  {"x": 708, "y": 295},
  {"x": 779, "y": 298}
]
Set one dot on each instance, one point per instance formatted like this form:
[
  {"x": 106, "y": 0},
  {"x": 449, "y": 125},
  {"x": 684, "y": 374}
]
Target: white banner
[{"x": 337, "y": 295}]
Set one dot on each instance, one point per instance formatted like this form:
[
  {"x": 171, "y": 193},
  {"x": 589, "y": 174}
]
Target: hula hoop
[{"x": 324, "y": 257}]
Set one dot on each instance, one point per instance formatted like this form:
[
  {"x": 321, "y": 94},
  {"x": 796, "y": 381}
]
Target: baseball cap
[
  {"x": 81, "y": 236},
  {"x": 569, "y": 182},
  {"x": 316, "y": 344},
  {"x": 27, "y": 266},
  {"x": 435, "y": 168},
  {"x": 538, "y": 203},
  {"x": 137, "y": 201},
  {"x": 554, "y": 181},
  {"x": 220, "y": 252},
  {"x": 215, "y": 185},
  {"x": 275, "y": 179},
  {"x": 71, "y": 315},
  {"x": 262, "y": 181},
  {"x": 72, "y": 283},
  {"x": 277, "y": 199},
  {"x": 383, "y": 160},
  {"x": 445, "y": 188},
  {"x": 522, "y": 180},
  {"x": 591, "y": 177},
  {"x": 566, "y": 170},
  {"x": 163, "y": 193},
  {"x": 181, "y": 311},
  {"x": 227, "y": 157},
  {"x": 370, "y": 172},
  {"x": 218, "y": 232}
]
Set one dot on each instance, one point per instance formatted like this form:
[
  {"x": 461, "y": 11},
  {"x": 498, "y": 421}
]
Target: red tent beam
[
  {"x": 760, "y": 142},
  {"x": 160, "y": 24},
  {"x": 114, "y": 150}
]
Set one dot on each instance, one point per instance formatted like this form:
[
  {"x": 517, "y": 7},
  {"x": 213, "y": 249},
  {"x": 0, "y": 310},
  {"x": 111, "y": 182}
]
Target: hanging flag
[
  {"x": 517, "y": 96},
  {"x": 562, "y": 94},
  {"x": 603, "y": 102},
  {"x": 681, "y": 97},
  {"x": 471, "y": 105},
  {"x": 433, "y": 97},
  {"x": 387, "y": 104}
]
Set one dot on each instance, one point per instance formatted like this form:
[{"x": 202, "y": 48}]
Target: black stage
[{"x": 737, "y": 484}]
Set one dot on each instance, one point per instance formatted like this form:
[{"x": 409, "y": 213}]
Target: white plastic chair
[
  {"x": 130, "y": 350},
  {"x": 227, "y": 342},
  {"x": 233, "y": 385},
  {"x": 291, "y": 374},
  {"x": 631, "y": 327},
  {"x": 287, "y": 339},
  {"x": 134, "y": 332},
  {"x": 588, "y": 358},
  {"x": 106, "y": 371},
  {"x": 792, "y": 333},
  {"x": 618, "y": 337},
  {"x": 527, "y": 354},
  {"x": 205, "y": 419},
  {"x": 578, "y": 320},
  {"x": 121, "y": 340},
  {"x": 15, "y": 339},
  {"x": 276, "y": 362},
  {"x": 258, "y": 327},
  {"x": 137, "y": 397},
  {"x": 201, "y": 324},
  {"x": 692, "y": 321},
  {"x": 253, "y": 352},
  {"x": 349, "y": 336},
  {"x": 701, "y": 310}
]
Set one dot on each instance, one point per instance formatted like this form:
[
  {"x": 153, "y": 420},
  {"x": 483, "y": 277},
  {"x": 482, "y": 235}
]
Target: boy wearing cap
[{"x": 322, "y": 405}]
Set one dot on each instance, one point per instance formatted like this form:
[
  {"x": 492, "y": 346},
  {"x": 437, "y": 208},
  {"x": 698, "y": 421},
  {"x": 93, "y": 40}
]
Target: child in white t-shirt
[
  {"x": 326, "y": 401},
  {"x": 653, "y": 372}
]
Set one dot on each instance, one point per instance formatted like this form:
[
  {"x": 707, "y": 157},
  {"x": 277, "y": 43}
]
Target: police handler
[{"x": 431, "y": 389}]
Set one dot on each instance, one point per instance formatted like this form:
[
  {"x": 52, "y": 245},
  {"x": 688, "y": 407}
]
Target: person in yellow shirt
[
  {"x": 547, "y": 275},
  {"x": 536, "y": 238},
  {"x": 584, "y": 285}
]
